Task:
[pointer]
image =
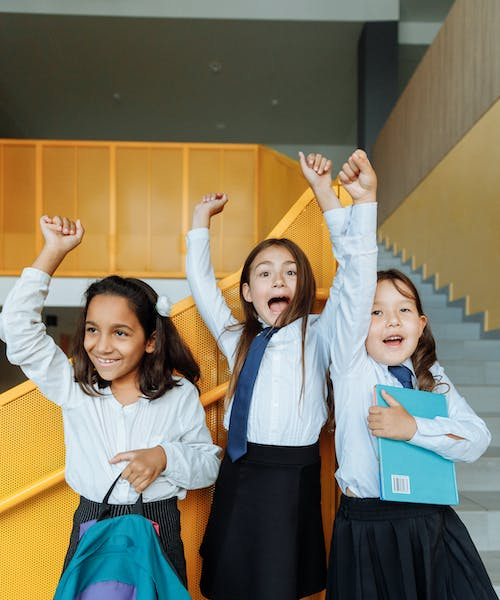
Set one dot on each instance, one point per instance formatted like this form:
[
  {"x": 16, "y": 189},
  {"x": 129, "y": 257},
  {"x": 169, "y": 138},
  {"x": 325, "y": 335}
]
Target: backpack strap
[{"x": 105, "y": 508}]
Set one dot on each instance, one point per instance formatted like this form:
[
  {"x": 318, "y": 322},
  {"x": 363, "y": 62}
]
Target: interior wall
[
  {"x": 457, "y": 81},
  {"x": 450, "y": 223}
]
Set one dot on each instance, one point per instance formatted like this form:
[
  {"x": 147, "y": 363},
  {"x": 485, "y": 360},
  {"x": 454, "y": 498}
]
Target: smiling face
[
  {"x": 114, "y": 339},
  {"x": 396, "y": 325},
  {"x": 272, "y": 283}
]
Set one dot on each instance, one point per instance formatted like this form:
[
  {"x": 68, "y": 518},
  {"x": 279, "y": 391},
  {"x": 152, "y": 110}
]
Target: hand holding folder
[{"x": 409, "y": 473}]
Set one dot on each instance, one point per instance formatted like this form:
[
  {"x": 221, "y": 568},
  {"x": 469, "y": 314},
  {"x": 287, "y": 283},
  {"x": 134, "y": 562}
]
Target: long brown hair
[
  {"x": 424, "y": 355},
  {"x": 301, "y": 304},
  {"x": 156, "y": 369}
]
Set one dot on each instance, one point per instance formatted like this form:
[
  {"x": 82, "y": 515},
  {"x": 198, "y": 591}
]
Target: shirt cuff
[
  {"x": 363, "y": 219},
  {"x": 35, "y": 275},
  {"x": 200, "y": 233},
  {"x": 336, "y": 220}
]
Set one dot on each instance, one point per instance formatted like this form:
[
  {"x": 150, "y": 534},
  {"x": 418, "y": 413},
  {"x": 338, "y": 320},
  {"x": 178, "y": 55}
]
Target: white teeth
[{"x": 395, "y": 338}]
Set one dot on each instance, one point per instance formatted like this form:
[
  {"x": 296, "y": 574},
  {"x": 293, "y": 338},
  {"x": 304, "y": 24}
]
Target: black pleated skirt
[
  {"x": 163, "y": 512},
  {"x": 385, "y": 550},
  {"x": 264, "y": 539}
]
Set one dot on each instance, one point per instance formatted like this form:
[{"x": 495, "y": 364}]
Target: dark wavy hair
[
  {"x": 301, "y": 304},
  {"x": 424, "y": 355},
  {"x": 156, "y": 370}
]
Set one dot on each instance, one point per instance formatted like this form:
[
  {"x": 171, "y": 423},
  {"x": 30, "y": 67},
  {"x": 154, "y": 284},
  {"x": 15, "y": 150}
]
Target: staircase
[{"x": 472, "y": 361}]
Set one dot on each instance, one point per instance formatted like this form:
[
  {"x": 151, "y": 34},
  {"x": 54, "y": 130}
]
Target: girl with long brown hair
[
  {"x": 387, "y": 550},
  {"x": 264, "y": 538}
]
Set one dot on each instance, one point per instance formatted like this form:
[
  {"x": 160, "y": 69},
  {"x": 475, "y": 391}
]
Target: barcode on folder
[{"x": 400, "y": 484}]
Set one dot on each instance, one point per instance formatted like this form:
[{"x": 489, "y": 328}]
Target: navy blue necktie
[
  {"x": 237, "y": 434},
  {"x": 403, "y": 375}
]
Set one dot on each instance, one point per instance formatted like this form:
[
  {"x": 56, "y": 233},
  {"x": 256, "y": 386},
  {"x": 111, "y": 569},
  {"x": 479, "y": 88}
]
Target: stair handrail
[{"x": 57, "y": 476}]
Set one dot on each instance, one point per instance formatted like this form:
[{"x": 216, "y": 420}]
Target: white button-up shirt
[
  {"x": 98, "y": 427},
  {"x": 354, "y": 374},
  {"x": 278, "y": 416}
]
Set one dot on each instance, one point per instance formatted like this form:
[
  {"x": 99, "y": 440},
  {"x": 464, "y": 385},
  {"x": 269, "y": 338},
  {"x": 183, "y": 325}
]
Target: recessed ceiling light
[{"x": 215, "y": 66}]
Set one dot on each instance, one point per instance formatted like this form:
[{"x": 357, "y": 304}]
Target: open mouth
[
  {"x": 279, "y": 303},
  {"x": 393, "y": 341}
]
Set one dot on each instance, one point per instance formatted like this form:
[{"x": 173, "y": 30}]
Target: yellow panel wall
[
  {"x": 18, "y": 218},
  {"x": 450, "y": 223},
  {"x": 136, "y": 199}
]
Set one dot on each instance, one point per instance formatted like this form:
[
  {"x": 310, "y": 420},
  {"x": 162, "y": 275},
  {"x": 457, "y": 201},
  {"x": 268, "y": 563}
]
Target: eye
[
  {"x": 376, "y": 312},
  {"x": 405, "y": 309},
  {"x": 89, "y": 329},
  {"x": 121, "y": 333},
  {"x": 291, "y": 273},
  {"x": 264, "y": 274}
]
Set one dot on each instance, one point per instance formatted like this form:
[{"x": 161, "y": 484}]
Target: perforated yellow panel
[{"x": 34, "y": 533}]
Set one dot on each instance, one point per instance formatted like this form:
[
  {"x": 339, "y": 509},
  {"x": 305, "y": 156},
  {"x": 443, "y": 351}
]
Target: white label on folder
[{"x": 400, "y": 484}]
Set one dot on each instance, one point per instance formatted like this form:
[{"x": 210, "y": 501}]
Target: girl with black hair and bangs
[
  {"x": 264, "y": 539},
  {"x": 391, "y": 550},
  {"x": 129, "y": 400}
]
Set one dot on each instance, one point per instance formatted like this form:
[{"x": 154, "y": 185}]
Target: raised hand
[
  {"x": 143, "y": 467},
  {"x": 209, "y": 205},
  {"x": 317, "y": 169},
  {"x": 358, "y": 178},
  {"x": 61, "y": 236}
]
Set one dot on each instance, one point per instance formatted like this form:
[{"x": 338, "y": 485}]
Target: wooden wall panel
[
  {"x": 457, "y": 81},
  {"x": 280, "y": 184},
  {"x": 93, "y": 206},
  {"x": 450, "y": 223},
  {"x": 239, "y": 235},
  {"x": 133, "y": 210},
  {"x": 166, "y": 240},
  {"x": 135, "y": 201},
  {"x": 19, "y": 219}
]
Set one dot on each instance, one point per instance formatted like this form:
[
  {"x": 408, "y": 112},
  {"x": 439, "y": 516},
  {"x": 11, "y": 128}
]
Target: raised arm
[
  {"x": 201, "y": 278},
  {"x": 356, "y": 253},
  {"x": 28, "y": 344}
]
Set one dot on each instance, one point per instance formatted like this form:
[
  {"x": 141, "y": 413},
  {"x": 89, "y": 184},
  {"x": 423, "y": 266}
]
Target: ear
[
  {"x": 423, "y": 323},
  {"x": 247, "y": 294},
  {"x": 151, "y": 343}
]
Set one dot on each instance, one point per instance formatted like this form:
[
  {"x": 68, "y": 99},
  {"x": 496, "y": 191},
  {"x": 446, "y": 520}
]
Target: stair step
[
  {"x": 443, "y": 314},
  {"x": 482, "y": 398},
  {"x": 482, "y": 475},
  {"x": 474, "y": 372},
  {"x": 491, "y": 560},
  {"x": 483, "y": 526},
  {"x": 456, "y": 331},
  {"x": 469, "y": 349}
]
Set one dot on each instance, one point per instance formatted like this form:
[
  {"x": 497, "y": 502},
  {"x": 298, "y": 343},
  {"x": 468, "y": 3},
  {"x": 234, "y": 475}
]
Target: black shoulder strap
[{"x": 105, "y": 508}]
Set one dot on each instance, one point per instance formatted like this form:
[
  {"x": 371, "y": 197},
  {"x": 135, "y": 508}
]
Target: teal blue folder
[{"x": 410, "y": 473}]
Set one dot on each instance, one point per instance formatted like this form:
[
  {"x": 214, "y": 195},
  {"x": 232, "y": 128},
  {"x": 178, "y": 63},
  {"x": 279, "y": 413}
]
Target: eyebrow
[
  {"x": 269, "y": 262},
  {"x": 113, "y": 325}
]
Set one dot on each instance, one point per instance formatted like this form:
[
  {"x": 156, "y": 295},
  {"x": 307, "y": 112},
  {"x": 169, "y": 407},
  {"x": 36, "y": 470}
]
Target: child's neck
[{"x": 125, "y": 394}]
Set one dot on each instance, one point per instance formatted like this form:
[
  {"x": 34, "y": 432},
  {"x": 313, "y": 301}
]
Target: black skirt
[
  {"x": 264, "y": 539},
  {"x": 385, "y": 550},
  {"x": 163, "y": 512}
]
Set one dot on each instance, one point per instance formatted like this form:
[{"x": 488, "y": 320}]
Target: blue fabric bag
[{"x": 120, "y": 558}]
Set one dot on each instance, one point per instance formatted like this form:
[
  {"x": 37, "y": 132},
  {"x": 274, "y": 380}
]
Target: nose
[
  {"x": 393, "y": 320},
  {"x": 103, "y": 344}
]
